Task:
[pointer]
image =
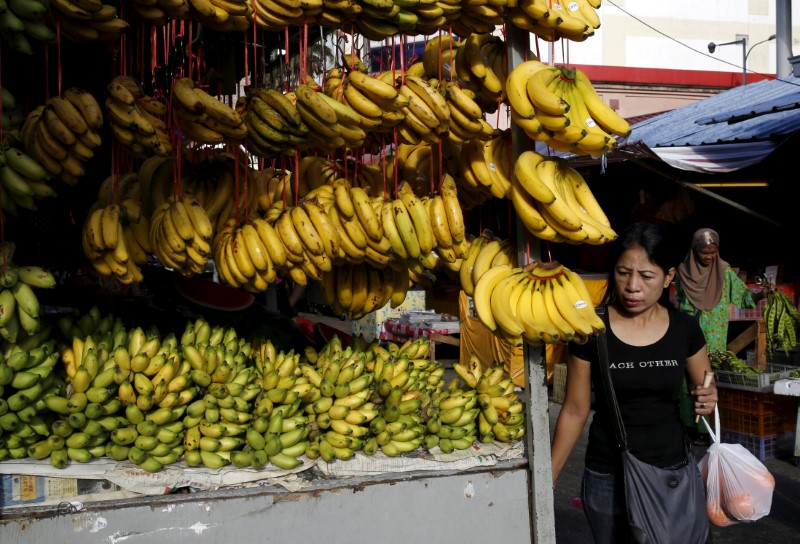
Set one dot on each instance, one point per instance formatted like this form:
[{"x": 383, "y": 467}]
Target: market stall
[{"x": 218, "y": 145}]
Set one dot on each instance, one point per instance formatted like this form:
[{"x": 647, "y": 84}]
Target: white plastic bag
[{"x": 738, "y": 486}]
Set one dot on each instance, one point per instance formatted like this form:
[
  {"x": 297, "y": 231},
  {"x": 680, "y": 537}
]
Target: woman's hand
[{"x": 705, "y": 399}]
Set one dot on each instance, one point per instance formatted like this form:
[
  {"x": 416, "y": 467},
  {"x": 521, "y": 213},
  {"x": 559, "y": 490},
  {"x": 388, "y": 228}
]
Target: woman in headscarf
[{"x": 705, "y": 286}]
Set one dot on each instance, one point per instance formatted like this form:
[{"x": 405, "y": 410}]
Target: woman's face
[
  {"x": 639, "y": 282},
  {"x": 707, "y": 255}
]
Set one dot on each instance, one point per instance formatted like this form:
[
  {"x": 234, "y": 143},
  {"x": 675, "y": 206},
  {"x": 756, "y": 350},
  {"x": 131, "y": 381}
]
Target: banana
[
  {"x": 374, "y": 88},
  {"x": 431, "y": 96},
  {"x": 365, "y": 213},
  {"x": 584, "y": 196},
  {"x": 483, "y": 293},
  {"x": 485, "y": 259},
  {"x": 558, "y": 209},
  {"x": 566, "y": 331},
  {"x": 503, "y": 304},
  {"x": 406, "y": 229},
  {"x": 391, "y": 232},
  {"x": 541, "y": 96},
  {"x": 525, "y": 171},
  {"x": 516, "y": 87},
  {"x": 288, "y": 233},
  {"x": 419, "y": 217},
  {"x": 453, "y": 210}
]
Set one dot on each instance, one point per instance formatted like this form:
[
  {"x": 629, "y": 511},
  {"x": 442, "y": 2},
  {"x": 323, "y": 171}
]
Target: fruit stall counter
[{"x": 448, "y": 505}]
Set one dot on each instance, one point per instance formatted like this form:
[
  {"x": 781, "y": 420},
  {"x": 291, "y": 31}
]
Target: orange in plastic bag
[{"x": 738, "y": 486}]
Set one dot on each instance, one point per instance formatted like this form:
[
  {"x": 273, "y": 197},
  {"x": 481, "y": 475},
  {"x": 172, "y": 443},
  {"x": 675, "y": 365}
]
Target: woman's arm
[
  {"x": 740, "y": 294},
  {"x": 705, "y": 398},
  {"x": 573, "y": 415}
]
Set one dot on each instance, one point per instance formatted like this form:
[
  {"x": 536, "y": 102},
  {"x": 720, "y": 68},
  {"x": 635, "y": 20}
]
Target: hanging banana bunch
[
  {"x": 540, "y": 303},
  {"x": 555, "y": 203}
]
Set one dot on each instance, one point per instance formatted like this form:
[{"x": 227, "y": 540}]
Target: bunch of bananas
[
  {"x": 481, "y": 62},
  {"x": 344, "y": 411},
  {"x": 356, "y": 290},
  {"x": 19, "y": 305},
  {"x": 26, "y": 377},
  {"x": 105, "y": 245},
  {"x": 310, "y": 240},
  {"x": 13, "y": 115},
  {"x": 560, "y": 106},
  {"x": 375, "y": 100},
  {"x": 427, "y": 115},
  {"x": 453, "y": 421},
  {"x": 136, "y": 120},
  {"x": 485, "y": 251},
  {"x": 217, "y": 424},
  {"x": 502, "y": 415},
  {"x": 406, "y": 382},
  {"x": 211, "y": 180},
  {"x": 87, "y": 407},
  {"x": 399, "y": 428},
  {"x": 378, "y": 20},
  {"x": 63, "y": 133},
  {"x": 313, "y": 178},
  {"x": 538, "y": 303},
  {"x": 277, "y": 15},
  {"x": 222, "y": 15},
  {"x": 181, "y": 234},
  {"x": 202, "y": 118},
  {"x": 355, "y": 230},
  {"x": 248, "y": 256},
  {"x": 23, "y": 21},
  {"x": 274, "y": 125},
  {"x": 87, "y": 20},
  {"x": 467, "y": 119},
  {"x": 160, "y": 391},
  {"x": 331, "y": 124},
  {"x": 780, "y": 317},
  {"x": 574, "y": 20},
  {"x": 87, "y": 412},
  {"x": 486, "y": 164},
  {"x": 554, "y": 202},
  {"x": 23, "y": 180}
]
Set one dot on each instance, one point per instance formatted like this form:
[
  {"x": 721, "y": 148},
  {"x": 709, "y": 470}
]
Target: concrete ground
[{"x": 781, "y": 526}]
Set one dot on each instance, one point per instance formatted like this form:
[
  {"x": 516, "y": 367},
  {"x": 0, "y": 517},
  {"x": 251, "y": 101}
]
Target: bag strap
[
  {"x": 714, "y": 437},
  {"x": 605, "y": 374}
]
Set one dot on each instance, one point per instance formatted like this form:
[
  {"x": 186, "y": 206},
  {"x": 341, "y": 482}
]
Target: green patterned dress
[{"x": 714, "y": 323}]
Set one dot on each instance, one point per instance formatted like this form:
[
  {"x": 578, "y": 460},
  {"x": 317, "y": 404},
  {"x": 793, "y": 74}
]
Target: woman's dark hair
[{"x": 656, "y": 243}]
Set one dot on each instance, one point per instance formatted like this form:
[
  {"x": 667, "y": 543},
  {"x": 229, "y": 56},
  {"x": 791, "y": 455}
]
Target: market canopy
[{"x": 725, "y": 132}]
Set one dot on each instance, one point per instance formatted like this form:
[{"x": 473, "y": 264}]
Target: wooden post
[{"x": 537, "y": 402}]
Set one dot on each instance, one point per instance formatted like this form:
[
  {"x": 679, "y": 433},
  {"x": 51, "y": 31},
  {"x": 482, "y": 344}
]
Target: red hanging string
[
  {"x": 402, "y": 59},
  {"x": 246, "y": 62},
  {"x": 297, "y": 177},
  {"x": 439, "y": 54},
  {"x": 396, "y": 165},
  {"x": 383, "y": 163},
  {"x": 246, "y": 184},
  {"x": 255, "y": 46}
]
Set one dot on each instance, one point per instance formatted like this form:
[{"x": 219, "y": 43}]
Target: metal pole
[
  {"x": 783, "y": 31},
  {"x": 537, "y": 401},
  {"x": 744, "y": 61}
]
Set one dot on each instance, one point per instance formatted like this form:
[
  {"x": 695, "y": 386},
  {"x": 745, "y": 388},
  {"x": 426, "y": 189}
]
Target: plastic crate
[
  {"x": 754, "y": 403},
  {"x": 755, "y": 424},
  {"x": 763, "y": 447},
  {"x": 753, "y": 381}
]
